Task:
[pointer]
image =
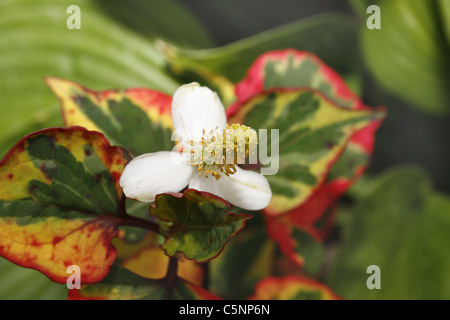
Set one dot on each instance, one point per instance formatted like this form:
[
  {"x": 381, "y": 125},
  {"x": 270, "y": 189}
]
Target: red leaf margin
[
  {"x": 306, "y": 215},
  {"x": 110, "y": 226},
  {"x": 161, "y": 100},
  {"x": 281, "y": 282}
]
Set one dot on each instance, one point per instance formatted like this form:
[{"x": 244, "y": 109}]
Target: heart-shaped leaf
[
  {"x": 138, "y": 119},
  {"x": 293, "y": 69},
  {"x": 313, "y": 132},
  {"x": 59, "y": 202},
  {"x": 198, "y": 224},
  {"x": 292, "y": 288},
  {"x": 121, "y": 284}
]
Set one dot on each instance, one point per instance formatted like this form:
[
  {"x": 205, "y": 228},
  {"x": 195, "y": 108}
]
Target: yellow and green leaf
[
  {"x": 152, "y": 263},
  {"x": 292, "y": 288},
  {"x": 121, "y": 284},
  {"x": 137, "y": 119},
  {"x": 313, "y": 132},
  {"x": 59, "y": 200},
  {"x": 197, "y": 224}
]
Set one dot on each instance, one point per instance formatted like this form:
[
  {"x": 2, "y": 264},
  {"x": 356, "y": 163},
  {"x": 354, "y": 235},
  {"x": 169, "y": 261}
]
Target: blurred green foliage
[
  {"x": 409, "y": 55},
  {"x": 401, "y": 225},
  {"x": 17, "y": 283}
]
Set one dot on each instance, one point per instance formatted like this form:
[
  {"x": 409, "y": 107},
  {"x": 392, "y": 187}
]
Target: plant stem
[
  {"x": 140, "y": 223},
  {"x": 171, "y": 276}
]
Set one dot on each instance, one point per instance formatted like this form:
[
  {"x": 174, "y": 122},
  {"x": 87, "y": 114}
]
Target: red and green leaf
[
  {"x": 292, "y": 288},
  {"x": 137, "y": 119},
  {"x": 296, "y": 242},
  {"x": 313, "y": 133},
  {"x": 295, "y": 69},
  {"x": 121, "y": 284},
  {"x": 198, "y": 224},
  {"x": 59, "y": 200}
]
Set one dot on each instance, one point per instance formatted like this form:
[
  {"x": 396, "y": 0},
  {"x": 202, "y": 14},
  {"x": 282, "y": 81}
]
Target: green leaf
[
  {"x": 360, "y": 6},
  {"x": 121, "y": 284},
  {"x": 409, "y": 54},
  {"x": 444, "y": 10},
  {"x": 17, "y": 283},
  {"x": 60, "y": 202},
  {"x": 198, "y": 223},
  {"x": 245, "y": 260},
  {"x": 402, "y": 226},
  {"x": 186, "y": 73},
  {"x": 36, "y": 43},
  {"x": 292, "y": 288},
  {"x": 137, "y": 119},
  {"x": 313, "y": 131},
  {"x": 167, "y": 19},
  {"x": 330, "y": 36}
]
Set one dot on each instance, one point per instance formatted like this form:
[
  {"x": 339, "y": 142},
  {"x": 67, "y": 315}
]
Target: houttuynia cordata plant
[{"x": 153, "y": 196}]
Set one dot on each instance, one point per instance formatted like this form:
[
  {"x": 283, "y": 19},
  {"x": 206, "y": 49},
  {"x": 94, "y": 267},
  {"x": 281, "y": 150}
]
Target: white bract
[{"x": 208, "y": 162}]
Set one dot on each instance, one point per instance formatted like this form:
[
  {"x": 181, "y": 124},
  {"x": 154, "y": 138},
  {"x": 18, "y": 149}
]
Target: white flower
[{"x": 200, "y": 122}]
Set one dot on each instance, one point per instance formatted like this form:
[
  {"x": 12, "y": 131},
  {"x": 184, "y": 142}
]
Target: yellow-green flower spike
[{"x": 220, "y": 151}]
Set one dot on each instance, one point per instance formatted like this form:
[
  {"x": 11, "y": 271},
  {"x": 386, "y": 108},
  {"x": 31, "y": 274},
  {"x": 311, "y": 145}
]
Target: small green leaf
[{"x": 199, "y": 223}]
